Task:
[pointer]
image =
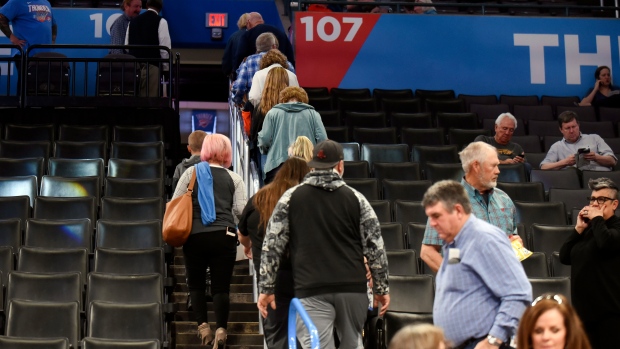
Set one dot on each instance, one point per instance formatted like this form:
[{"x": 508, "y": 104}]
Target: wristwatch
[{"x": 494, "y": 341}]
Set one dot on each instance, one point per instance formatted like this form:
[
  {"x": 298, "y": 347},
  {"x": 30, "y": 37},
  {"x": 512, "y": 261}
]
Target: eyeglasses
[
  {"x": 554, "y": 297},
  {"x": 600, "y": 200}
]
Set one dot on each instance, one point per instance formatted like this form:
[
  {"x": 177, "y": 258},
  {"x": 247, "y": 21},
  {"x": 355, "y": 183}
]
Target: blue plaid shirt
[
  {"x": 500, "y": 212},
  {"x": 246, "y": 72},
  {"x": 118, "y": 30},
  {"x": 485, "y": 291}
]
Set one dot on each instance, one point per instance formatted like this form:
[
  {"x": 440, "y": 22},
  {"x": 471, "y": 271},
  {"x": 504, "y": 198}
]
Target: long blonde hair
[
  {"x": 301, "y": 148},
  {"x": 420, "y": 336},
  {"x": 277, "y": 80}
]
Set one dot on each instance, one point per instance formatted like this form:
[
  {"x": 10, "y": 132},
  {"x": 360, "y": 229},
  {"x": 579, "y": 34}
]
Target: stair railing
[{"x": 297, "y": 308}]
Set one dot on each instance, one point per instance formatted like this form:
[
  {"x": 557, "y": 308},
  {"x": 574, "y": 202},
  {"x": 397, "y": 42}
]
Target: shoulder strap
[{"x": 190, "y": 186}]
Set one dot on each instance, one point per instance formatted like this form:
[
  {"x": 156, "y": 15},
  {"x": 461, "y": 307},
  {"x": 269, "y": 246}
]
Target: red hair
[{"x": 216, "y": 148}]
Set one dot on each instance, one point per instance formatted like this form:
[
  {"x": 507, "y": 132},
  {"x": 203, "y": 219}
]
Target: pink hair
[{"x": 216, "y": 148}]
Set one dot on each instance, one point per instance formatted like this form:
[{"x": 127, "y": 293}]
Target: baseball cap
[{"x": 326, "y": 155}]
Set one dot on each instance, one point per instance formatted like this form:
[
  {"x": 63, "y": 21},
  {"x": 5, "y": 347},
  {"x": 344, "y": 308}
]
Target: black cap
[{"x": 326, "y": 155}]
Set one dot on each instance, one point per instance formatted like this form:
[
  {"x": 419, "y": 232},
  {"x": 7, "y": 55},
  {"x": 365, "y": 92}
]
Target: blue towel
[{"x": 205, "y": 192}]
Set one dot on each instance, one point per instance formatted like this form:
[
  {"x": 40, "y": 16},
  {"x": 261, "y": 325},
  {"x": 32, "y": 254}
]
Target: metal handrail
[{"x": 297, "y": 308}]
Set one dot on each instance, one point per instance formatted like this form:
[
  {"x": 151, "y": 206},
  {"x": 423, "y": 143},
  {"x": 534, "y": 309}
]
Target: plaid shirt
[
  {"x": 118, "y": 31},
  {"x": 500, "y": 212},
  {"x": 246, "y": 72},
  {"x": 485, "y": 290}
]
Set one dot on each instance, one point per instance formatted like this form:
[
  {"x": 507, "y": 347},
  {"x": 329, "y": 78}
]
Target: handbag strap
[{"x": 190, "y": 186}]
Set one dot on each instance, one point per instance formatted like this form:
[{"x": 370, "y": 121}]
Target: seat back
[
  {"x": 125, "y": 321},
  {"x": 139, "y": 134},
  {"x": 80, "y": 150},
  {"x": 48, "y": 74},
  {"x": 137, "y": 151},
  {"x": 65, "y": 208},
  {"x": 44, "y": 260},
  {"x": 22, "y": 167},
  {"x": 134, "y": 188},
  {"x": 384, "y": 135},
  {"x": 534, "y": 112},
  {"x": 462, "y": 137},
  {"x": 15, "y": 207},
  {"x": 415, "y": 235},
  {"x": 103, "y": 343},
  {"x": 528, "y": 191},
  {"x": 382, "y": 210},
  {"x": 586, "y": 113},
  {"x": 123, "y": 209},
  {"x": 52, "y": 319},
  {"x": 566, "y": 179},
  {"x": 422, "y": 137},
  {"x": 404, "y": 190},
  {"x": 396, "y": 170},
  {"x": 356, "y": 169},
  {"x": 511, "y": 173},
  {"x": 379, "y": 93},
  {"x": 552, "y": 213},
  {"x": 411, "y": 120},
  {"x": 76, "y": 168},
  {"x": 128, "y": 235},
  {"x": 124, "y": 168},
  {"x": 402, "y": 262},
  {"x": 557, "y": 268},
  {"x": 553, "y": 285},
  {"x": 83, "y": 133},
  {"x": 71, "y": 187},
  {"x": 356, "y": 104},
  {"x": 29, "y": 133},
  {"x": 555, "y": 101},
  {"x": 351, "y": 151},
  {"x": 406, "y": 212},
  {"x": 7, "y": 264},
  {"x": 384, "y": 153},
  {"x": 24, "y": 149},
  {"x": 459, "y": 120},
  {"x": 477, "y": 99},
  {"x": 61, "y": 233},
  {"x": 393, "y": 321},
  {"x": 391, "y": 106},
  {"x": 147, "y": 288},
  {"x": 572, "y": 198},
  {"x": 393, "y": 237},
  {"x": 529, "y": 144},
  {"x": 549, "y": 238},
  {"x": 489, "y": 111},
  {"x": 604, "y": 129},
  {"x": 45, "y": 287},
  {"x": 513, "y": 101},
  {"x": 34, "y": 343},
  {"x": 412, "y": 294},
  {"x": 543, "y": 128},
  {"x": 440, "y": 155},
  {"x": 11, "y": 233},
  {"x": 18, "y": 186},
  {"x": 586, "y": 176},
  {"x": 438, "y": 172},
  {"x": 535, "y": 266},
  {"x": 366, "y": 186},
  {"x": 129, "y": 262}
]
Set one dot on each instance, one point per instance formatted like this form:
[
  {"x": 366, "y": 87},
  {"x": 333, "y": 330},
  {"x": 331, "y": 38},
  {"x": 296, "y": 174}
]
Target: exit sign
[{"x": 217, "y": 20}]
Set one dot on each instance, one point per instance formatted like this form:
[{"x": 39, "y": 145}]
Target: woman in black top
[
  {"x": 252, "y": 226},
  {"x": 218, "y": 199}
]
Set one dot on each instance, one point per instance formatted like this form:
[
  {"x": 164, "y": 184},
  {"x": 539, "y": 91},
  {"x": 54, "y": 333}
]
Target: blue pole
[{"x": 297, "y": 307}]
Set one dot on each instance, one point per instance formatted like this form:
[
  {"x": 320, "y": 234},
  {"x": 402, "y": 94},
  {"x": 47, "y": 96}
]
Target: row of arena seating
[
  {"x": 81, "y": 133},
  {"x": 92, "y": 242}
]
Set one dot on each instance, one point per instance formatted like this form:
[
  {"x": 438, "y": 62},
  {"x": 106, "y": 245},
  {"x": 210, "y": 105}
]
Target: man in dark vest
[{"x": 149, "y": 29}]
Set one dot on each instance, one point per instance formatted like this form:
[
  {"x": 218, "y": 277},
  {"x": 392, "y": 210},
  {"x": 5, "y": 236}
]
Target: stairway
[{"x": 242, "y": 321}]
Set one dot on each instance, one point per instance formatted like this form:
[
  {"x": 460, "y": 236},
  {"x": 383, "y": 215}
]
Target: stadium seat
[
  {"x": 53, "y": 260},
  {"x": 45, "y": 287},
  {"x": 572, "y": 198},
  {"x": 477, "y": 99},
  {"x": 104, "y": 287},
  {"x": 549, "y": 238},
  {"x": 379, "y": 93},
  {"x": 422, "y": 136},
  {"x": 489, "y": 111},
  {"x": 586, "y": 113},
  {"x": 321, "y": 102},
  {"x": 7, "y": 265},
  {"x": 351, "y": 151},
  {"x": 587, "y": 175},
  {"x": 548, "y": 141},
  {"x": 529, "y": 144},
  {"x": 65, "y": 208},
  {"x": 423, "y": 155},
  {"x": 138, "y": 134},
  {"x": 103, "y": 343},
  {"x": 317, "y": 91},
  {"x": 435, "y": 95},
  {"x": 462, "y": 137},
  {"x": 408, "y": 211},
  {"x": 566, "y": 179},
  {"x": 535, "y": 159},
  {"x": 382, "y": 210},
  {"x": 512, "y": 101},
  {"x": 511, "y": 173},
  {"x": 384, "y": 135},
  {"x": 18, "y": 186},
  {"x": 467, "y": 121},
  {"x": 393, "y": 321},
  {"x": 529, "y": 213},
  {"x": 134, "y": 235},
  {"x": 411, "y": 120},
  {"x": 415, "y": 235},
  {"x": 346, "y": 105},
  {"x": 337, "y": 92},
  {"x": 71, "y": 187},
  {"x": 409, "y": 106},
  {"x": 396, "y": 170},
  {"x": 83, "y": 133},
  {"x": 604, "y": 129},
  {"x": 533, "y": 112},
  {"x": 330, "y": 117},
  {"x": 80, "y": 150},
  {"x": 76, "y": 168},
  {"x": 555, "y": 101},
  {"x": 15, "y": 207},
  {"x": 609, "y": 114},
  {"x": 53, "y": 319},
  {"x": 338, "y": 133},
  {"x": 544, "y": 128},
  {"x": 402, "y": 262},
  {"x": 11, "y": 233},
  {"x": 439, "y": 106},
  {"x": 368, "y": 187},
  {"x": 137, "y": 151},
  {"x": 22, "y": 167},
  {"x": 356, "y": 169},
  {"x": 393, "y": 236},
  {"x": 384, "y": 153},
  {"x": 528, "y": 191},
  {"x": 535, "y": 266},
  {"x": 59, "y": 233},
  {"x": 553, "y": 285},
  {"x": 410, "y": 190},
  {"x": 133, "y": 188},
  {"x": 125, "y": 321},
  {"x": 136, "y": 169},
  {"x": 557, "y": 268},
  {"x": 29, "y": 133},
  {"x": 24, "y": 149},
  {"x": 45, "y": 77},
  {"x": 412, "y": 294},
  {"x": 124, "y": 209},
  {"x": 613, "y": 143},
  {"x": 34, "y": 343},
  {"x": 129, "y": 262},
  {"x": 438, "y": 172},
  {"x": 118, "y": 78}
]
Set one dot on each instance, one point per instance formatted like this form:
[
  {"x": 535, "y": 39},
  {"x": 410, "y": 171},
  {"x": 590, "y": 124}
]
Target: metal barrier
[
  {"x": 297, "y": 308},
  {"x": 10, "y": 96},
  {"x": 241, "y": 150},
  {"x": 47, "y": 77}
]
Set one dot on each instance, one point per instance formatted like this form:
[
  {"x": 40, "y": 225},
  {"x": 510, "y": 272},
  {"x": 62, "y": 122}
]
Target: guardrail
[
  {"x": 297, "y": 308},
  {"x": 83, "y": 76}
]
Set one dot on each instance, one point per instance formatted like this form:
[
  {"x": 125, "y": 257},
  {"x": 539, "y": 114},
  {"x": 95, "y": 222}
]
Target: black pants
[
  {"x": 276, "y": 324},
  {"x": 602, "y": 332},
  {"x": 217, "y": 251}
]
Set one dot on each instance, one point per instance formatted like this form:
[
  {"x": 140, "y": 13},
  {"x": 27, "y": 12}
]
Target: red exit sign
[{"x": 217, "y": 20}]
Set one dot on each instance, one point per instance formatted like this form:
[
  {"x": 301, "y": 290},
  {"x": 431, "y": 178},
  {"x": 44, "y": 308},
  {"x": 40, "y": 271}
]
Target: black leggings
[{"x": 217, "y": 251}]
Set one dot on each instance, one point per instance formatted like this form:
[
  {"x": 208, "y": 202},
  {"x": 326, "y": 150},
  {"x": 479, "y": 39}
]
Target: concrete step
[
  {"x": 181, "y": 286},
  {"x": 250, "y": 327},
  {"x": 246, "y": 297},
  {"x": 198, "y": 346},
  {"x": 235, "y": 316},
  {"x": 178, "y": 271},
  {"x": 239, "y": 306},
  {"x": 234, "y": 288},
  {"x": 233, "y": 339}
]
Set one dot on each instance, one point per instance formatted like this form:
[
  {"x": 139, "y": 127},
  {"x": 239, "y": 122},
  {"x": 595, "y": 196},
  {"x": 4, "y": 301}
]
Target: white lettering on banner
[
  {"x": 98, "y": 18},
  {"x": 575, "y": 59},
  {"x": 335, "y": 30},
  {"x": 537, "y": 44}
]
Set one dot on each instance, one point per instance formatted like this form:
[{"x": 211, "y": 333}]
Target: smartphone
[{"x": 583, "y": 150}]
